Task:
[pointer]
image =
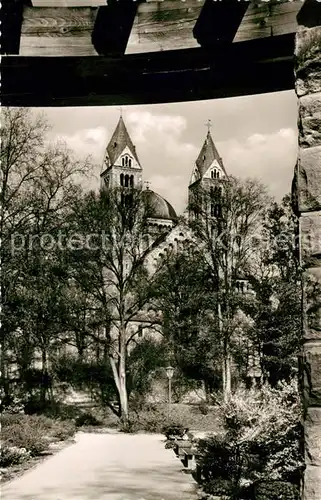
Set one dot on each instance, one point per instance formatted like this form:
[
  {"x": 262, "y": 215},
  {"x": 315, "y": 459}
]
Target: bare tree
[
  {"x": 39, "y": 182},
  {"x": 110, "y": 266},
  {"x": 227, "y": 220}
]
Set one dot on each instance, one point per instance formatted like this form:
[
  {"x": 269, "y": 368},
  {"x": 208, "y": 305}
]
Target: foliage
[
  {"x": 276, "y": 490},
  {"x": 277, "y": 308},
  {"x": 183, "y": 292},
  {"x": 87, "y": 419},
  {"x": 12, "y": 455},
  {"x": 203, "y": 407},
  {"x": 144, "y": 360},
  {"x": 39, "y": 184},
  {"x": 111, "y": 275},
  {"x": 150, "y": 419},
  {"x": 33, "y": 433},
  {"x": 226, "y": 219},
  {"x": 261, "y": 441},
  {"x": 172, "y": 430}
]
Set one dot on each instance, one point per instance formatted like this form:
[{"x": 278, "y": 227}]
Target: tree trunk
[
  {"x": 44, "y": 376},
  {"x": 226, "y": 358},
  {"x": 120, "y": 380},
  {"x": 228, "y": 381},
  {"x": 123, "y": 397}
]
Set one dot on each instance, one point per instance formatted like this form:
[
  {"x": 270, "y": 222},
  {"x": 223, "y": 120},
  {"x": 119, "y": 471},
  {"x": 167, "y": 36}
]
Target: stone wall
[{"x": 307, "y": 191}]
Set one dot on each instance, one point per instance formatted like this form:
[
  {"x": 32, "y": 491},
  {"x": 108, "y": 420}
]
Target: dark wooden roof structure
[{"x": 103, "y": 52}]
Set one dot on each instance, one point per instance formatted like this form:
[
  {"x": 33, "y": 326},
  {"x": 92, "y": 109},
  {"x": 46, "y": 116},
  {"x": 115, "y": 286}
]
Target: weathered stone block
[
  {"x": 308, "y": 61},
  {"x": 312, "y": 432},
  {"x": 312, "y": 483},
  {"x": 312, "y": 304},
  {"x": 310, "y": 120},
  {"x": 312, "y": 373},
  {"x": 310, "y": 239},
  {"x": 309, "y": 179}
]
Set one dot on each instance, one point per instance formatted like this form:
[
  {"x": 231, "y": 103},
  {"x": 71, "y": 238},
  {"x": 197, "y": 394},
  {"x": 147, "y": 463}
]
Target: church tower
[
  {"x": 121, "y": 164},
  {"x": 207, "y": 181}
]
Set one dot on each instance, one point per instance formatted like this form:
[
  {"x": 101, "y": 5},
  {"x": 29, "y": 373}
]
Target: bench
[{"x": 188, "y": 454}]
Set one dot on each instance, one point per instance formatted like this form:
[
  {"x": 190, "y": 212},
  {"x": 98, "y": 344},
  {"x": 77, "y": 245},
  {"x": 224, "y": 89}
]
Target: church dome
[{"x": 158, "y": 207}]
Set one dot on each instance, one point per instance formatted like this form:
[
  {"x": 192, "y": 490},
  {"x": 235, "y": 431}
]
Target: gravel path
[{"x": 106, "y": 467}]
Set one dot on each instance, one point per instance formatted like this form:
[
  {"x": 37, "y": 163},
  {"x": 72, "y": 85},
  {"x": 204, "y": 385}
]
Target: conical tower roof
[
  {"x": 207, "y": 155},
  {"x": 118, "y": 142}
]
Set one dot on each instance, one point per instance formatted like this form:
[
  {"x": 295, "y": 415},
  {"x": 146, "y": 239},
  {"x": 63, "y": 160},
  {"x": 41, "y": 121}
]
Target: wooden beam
[
  {"x": 68, "y": 3},
  {"x": 57, "y": 31},
  {"x": 218, "y": 22},
  {"x": 256, "y": 66},
  {"x": 310, "y": 14},
  {"x": 113, "y": 26},
  {"x": 164, "y": 25},
  {"x": 277, "y": 17}
]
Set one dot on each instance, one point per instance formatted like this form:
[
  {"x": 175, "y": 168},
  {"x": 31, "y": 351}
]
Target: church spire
[
  {"x": 118, "y": 142},
  {"x": 121, "y": 164},
  {"x": 208, "y": 162}
]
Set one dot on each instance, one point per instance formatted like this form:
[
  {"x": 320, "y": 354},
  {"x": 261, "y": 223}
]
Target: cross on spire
[
  {"x": 208, "y": 124},
  {"x": 120, "y": 111}
]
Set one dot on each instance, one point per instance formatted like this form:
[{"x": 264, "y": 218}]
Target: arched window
[
  {"x": 131, "y": 181},
  {"x": 121, "y": 179},
  {"x": 215, "y": 174},
  {"x": 217, "y": 210},
  {"x": 126, "y": 161},
  {"x": 126, "y": 180}
]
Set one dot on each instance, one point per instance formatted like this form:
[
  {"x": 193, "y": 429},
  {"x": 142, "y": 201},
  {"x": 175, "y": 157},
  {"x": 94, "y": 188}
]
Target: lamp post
[{"x": 169, "y": 373}]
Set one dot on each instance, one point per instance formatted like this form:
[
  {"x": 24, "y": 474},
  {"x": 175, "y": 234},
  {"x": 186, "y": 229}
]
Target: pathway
[{"x": 106, "y": 467}]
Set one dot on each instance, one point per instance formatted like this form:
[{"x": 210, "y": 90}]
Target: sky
[{"x": 255, "y": 135}]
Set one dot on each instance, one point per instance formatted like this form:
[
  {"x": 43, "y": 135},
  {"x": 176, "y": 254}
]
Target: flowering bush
[
  {"x": 261, "y": 442},
  {"x": 12, "y": 455},
  {"x": 33, "y": 433}
]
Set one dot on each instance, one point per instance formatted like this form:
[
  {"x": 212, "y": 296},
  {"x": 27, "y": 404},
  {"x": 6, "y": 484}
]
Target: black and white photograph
[{"x": 160, "y": 250}]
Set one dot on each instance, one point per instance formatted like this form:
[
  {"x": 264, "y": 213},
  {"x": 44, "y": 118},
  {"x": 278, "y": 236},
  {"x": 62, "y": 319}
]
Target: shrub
[
  {"x": 203, "y": 408},
  {"x": 172, "y": 430},
  {"x": 87, "y": 419},
  {"x": 25, "y": 436},
  {"x": 62, "y": 430},
  {"x": 12, "y": 455},
  {"x": 260, "y": 443},
  {"x": 218, "y": 487},
  {"x": 276, "y": 490},
  {"x": 14, "y": 406},
  {"x": 150, "y": 420},
  {"x": 33, "y": 432},
  {"x": 154, "y": 419}
]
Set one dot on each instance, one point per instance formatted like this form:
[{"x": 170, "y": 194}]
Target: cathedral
[{"x": 122, "y": 168}]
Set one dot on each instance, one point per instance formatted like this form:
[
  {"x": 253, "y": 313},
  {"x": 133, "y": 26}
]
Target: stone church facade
[{"x": 167, "y": 232}]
